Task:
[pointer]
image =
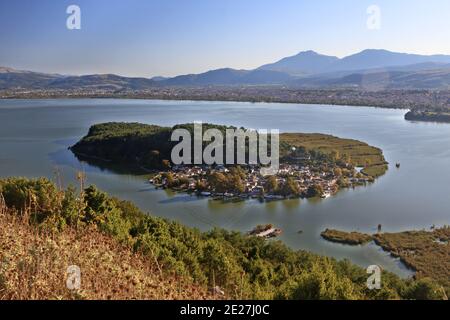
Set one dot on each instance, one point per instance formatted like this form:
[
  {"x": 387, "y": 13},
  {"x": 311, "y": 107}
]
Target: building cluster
[
  {"x": 254, "y": 184},
  {"x": 415, "y": 99}
]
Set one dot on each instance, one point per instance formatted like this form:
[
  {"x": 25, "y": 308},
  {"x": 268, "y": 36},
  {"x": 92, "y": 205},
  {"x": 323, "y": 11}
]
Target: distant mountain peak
[
  {"x": 305, "y": 62},
  {"x": 306, "y": 68},
  {"x": 381, "y": 58},
  {"x": 375, "y": 50},
  {"x": 159, "y": 78},
  {"x": 309, "y": 53},
  {"x": 9, "y": 70}
]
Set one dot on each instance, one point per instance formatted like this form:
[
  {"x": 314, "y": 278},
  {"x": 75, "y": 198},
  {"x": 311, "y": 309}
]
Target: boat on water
[
  {"x": 265, "y": 231},
  {"x": 273, "y": 197},
  {"x": 397, "y": 165},
  {"x": 326, "y": 195}
]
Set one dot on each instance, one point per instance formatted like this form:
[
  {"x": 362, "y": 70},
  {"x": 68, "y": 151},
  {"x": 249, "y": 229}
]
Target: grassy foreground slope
[
  {"x": 45, "y": 228},
  {"x": 34, "y": 266}
]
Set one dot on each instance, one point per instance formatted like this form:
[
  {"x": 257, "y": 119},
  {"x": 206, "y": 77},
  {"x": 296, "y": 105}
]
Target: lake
[{"x": 35, "y": 135}]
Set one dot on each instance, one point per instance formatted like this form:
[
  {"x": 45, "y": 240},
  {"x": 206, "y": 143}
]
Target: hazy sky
[{"x": 169, "y": 37}]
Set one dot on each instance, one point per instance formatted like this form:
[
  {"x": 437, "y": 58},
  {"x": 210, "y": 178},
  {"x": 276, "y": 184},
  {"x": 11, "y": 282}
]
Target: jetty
[{"x": 265, "y": 231}]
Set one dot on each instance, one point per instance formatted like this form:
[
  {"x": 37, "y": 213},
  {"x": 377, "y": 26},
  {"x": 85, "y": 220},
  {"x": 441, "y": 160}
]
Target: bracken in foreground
[{"x": 34, "y": 265}]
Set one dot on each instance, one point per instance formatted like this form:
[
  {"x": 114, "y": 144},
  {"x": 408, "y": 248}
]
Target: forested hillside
[{"x": 40, "y": 220}]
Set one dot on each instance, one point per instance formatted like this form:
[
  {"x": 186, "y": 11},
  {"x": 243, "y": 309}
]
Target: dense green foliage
[
  {"x": 243, "y": 266},
  {"x": 438, "y": 115},
  {"x": 351, "y": 238},
  {"x": 138, "y": 144},
  {"x": 129, "y": 143}
]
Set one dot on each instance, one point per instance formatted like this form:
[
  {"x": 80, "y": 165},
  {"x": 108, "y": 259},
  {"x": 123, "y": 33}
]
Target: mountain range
[{"x": 369, "y": 69}]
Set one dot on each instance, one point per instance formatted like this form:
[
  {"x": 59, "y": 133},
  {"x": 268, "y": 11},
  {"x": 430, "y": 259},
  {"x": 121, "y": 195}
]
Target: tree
[
  {"x": 314, "y": 191},
  {"x": 170, "y": 179},
  {"x": 38, "y": 195},
  {"x": 290, "y": 187},
  {"x": 335, "y": 155},
  {"x": 70, "y": 208},
  {"x": 235, "y": 183},
  {"x": 238, "y": 171},
  {"x": 346, "y": 158},
  {"x": 218, "y": 181},
  {"x": 183, "y": 180},
  {"x": 98, "y": 205},
  {"x": 222, "y": 267},
  {"x": 152, "y": 159},
  {"x": 271, "y": 184},
  {"x": 337, "y": 172},
  {"x": 200, "y": 186},
  {"x": 165, "y": 164},
  {"x": 102, "y": 211},
  {"x": 427, "y": 289},
  {"x": 320, "y": 282}
]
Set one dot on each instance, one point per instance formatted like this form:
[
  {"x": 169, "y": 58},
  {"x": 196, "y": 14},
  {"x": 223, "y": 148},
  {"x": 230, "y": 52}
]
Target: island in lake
[{"x": 311, "y": 165}]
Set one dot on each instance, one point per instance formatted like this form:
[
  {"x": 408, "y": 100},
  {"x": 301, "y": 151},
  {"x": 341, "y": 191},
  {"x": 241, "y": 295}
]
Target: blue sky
[{"x": 170, "y": 37}]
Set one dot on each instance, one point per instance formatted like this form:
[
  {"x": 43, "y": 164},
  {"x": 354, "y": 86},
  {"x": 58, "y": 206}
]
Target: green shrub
[{"x": 244, "y": 267}]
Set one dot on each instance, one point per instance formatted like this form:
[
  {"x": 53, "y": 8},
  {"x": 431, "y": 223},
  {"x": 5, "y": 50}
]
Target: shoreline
[{"x": 203, "y": 99}]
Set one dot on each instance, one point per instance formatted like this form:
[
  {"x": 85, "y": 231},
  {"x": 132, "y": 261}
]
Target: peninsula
[
  {"x": 428, "y": 115},
  {"x": 311, "y": 165}
]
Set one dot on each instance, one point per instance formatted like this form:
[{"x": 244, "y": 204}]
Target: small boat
[
  {"x": 397, "y": 165},
  {"x": 265, "y": 231},
  {"x": 326, "y": 195}
]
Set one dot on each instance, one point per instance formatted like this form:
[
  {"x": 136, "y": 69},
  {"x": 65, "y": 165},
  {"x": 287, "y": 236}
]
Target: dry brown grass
[
  {"x": 427, "y": 252},
  {"x": 33, "y": 265},
  {"x": 361, "y": 154}
]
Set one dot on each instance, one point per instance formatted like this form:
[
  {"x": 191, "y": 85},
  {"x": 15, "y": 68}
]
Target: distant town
[{"x": 406, "y": 99}]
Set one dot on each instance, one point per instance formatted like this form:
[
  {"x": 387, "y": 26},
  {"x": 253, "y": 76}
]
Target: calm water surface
[{"x": 35, "y": 134}]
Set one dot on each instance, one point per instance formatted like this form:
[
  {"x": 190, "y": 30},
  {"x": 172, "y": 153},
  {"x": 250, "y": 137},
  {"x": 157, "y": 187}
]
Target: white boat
[{"x": 326, "y": 195}]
